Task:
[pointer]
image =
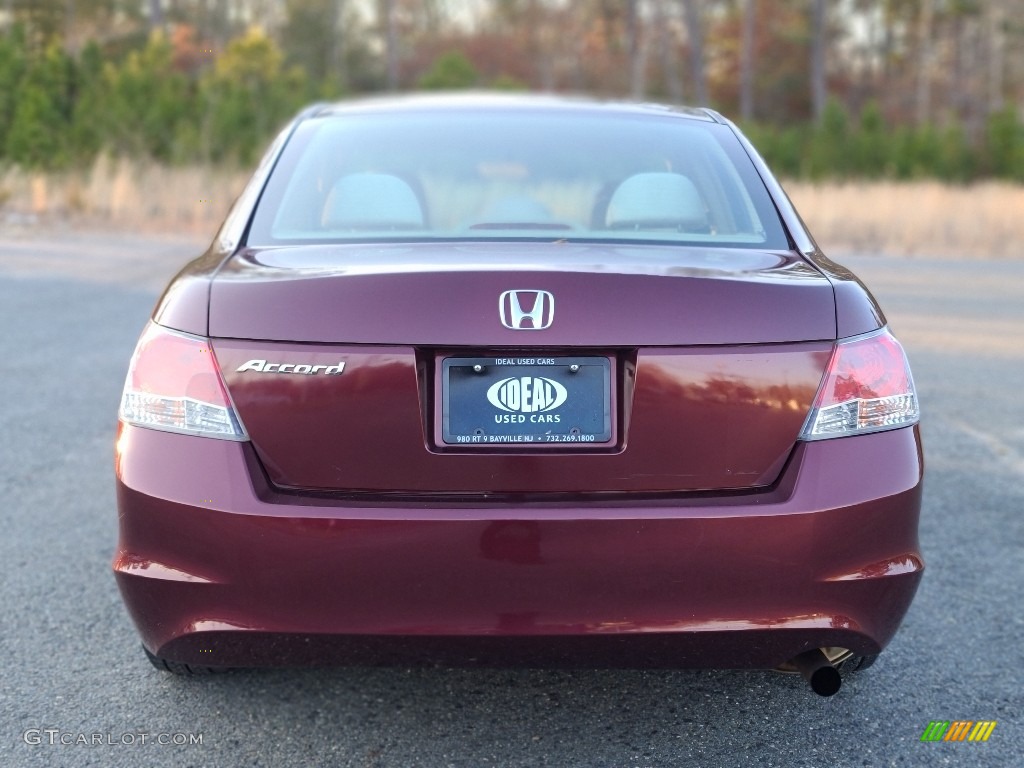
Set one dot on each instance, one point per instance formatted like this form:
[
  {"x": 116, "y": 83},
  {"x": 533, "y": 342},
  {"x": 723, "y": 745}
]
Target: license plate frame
[{"x": 558, "y": 402}]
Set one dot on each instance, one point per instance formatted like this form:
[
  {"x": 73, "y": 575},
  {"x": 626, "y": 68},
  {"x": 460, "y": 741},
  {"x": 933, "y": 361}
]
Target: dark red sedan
[{"x": 517, "y": 380}]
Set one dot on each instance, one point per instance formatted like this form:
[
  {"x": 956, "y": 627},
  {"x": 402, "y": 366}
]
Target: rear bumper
[{"x": 216, "y": 568}]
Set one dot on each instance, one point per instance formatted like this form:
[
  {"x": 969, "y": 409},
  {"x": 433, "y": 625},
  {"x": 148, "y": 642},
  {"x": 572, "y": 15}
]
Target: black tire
[{"x": 177, "y": 668}]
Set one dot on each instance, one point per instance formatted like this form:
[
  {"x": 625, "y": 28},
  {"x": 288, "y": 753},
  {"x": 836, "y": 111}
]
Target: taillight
[
  {"x": 867, "y": 388},
  {"x": 173, "y": 384}
]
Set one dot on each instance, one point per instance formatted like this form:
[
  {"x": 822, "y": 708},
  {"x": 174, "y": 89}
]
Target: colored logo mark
[{"x": 958, "y": 730}]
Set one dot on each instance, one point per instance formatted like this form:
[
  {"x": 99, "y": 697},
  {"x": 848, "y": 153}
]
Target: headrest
[
  {"x": 657, "y": 201},
  {"x": 372, "y": 201}
]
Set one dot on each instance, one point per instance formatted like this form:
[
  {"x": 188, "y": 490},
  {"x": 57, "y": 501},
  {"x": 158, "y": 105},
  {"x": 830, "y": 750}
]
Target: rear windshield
[{"x": 515, "y": 176}]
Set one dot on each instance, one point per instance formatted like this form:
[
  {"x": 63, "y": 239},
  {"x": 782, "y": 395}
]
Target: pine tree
[
  {"x": 13, "y": 60},
  {"x": 38, "y": 135}
]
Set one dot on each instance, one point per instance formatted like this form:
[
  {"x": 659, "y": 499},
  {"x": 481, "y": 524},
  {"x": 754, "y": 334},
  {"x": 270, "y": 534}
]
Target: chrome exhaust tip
[{"x": 817, "y": 670}]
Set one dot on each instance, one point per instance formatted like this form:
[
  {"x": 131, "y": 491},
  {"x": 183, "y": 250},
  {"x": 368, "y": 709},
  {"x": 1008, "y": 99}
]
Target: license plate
[{"x": 513, "y": 400}]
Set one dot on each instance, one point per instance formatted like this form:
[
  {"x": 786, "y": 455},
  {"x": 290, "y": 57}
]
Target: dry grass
[
  {"x": 983, "y": 220},
  {"x": 123, "y": 195}
]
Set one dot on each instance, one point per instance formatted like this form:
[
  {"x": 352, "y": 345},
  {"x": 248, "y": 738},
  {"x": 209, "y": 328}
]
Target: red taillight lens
[
  {"x": 173, "y": 384},
  {"x": 867, "y": 388}
]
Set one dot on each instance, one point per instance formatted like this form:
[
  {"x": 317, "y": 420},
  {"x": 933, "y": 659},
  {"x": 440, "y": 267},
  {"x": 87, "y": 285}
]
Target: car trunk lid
[
  {"x": 714, "y": 358},
  {"x": 448, "y": 294}
]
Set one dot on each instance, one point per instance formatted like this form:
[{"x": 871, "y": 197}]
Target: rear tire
[{"x": 178, "y": 668}]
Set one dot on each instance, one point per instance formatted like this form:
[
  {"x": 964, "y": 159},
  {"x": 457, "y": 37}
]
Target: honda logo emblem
[{"x": 526, "y": 310}]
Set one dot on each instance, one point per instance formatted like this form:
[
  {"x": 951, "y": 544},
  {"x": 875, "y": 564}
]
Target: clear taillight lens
[
  {"x": 173, "y": 384},
  {"x": 867, "y": 388}
]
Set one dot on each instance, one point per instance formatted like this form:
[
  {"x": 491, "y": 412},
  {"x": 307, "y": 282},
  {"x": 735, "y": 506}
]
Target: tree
[
  {"x": 996, "y": 34},
  {"x": 213, "y": 18},
  {"x": 246, "y": 97},
  {"x": 13, "y": 60},
  {"x": 90, "y": 119},
  {"x": 72, "y": 23},
  {"x": 819, "y": 89},
  {"x": 871, "y": 144},
  {"x": 323, "y": 37},
  {"x": 747, "y": 61},
  {"x": 923, "y": 100},
  {"x": 695, "y": 31},
  {"x": 635, "y": 50},
  {"x": 451, "y": 71},
  {"x": 156, "y": 14},
  {"x": 390, "y": 42},
  {"x": 667, "y": 51},
  {"x": 37, "y": 137},
  {"x": 1004, "y": 142},
  {"x": 145, "y": 102},
  {"x": 43, "y": 20},
  {"x": 829, "y": 153}
]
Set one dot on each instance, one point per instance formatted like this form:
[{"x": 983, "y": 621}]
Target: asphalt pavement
[{"x": 76, "y": 690}]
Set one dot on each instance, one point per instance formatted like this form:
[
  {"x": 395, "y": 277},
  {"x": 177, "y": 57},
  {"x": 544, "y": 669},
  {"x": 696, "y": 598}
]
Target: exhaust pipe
[{"x": 819, "y": 672}]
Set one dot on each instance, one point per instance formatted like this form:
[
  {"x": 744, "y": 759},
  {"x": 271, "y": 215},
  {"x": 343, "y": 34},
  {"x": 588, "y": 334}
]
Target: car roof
[{"x": 496, "y": 102}]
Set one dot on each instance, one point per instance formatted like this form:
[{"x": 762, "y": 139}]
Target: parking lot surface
[{"x": 71, "y": 308}]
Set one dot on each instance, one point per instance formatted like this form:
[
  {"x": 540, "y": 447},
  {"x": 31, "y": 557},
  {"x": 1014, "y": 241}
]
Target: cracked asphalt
[{"x": 71, "y": 307}]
